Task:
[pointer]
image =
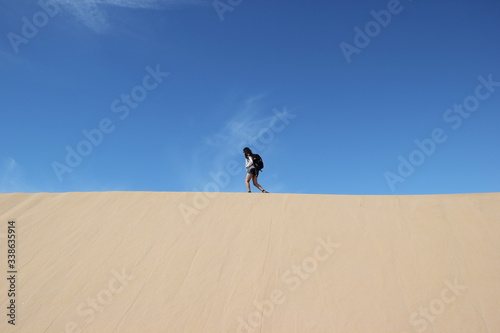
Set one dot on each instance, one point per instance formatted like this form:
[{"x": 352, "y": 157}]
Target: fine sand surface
[{"x": 239, "y": 262}]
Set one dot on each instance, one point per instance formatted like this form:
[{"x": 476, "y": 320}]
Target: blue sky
[{"x": 338, "y": 97}]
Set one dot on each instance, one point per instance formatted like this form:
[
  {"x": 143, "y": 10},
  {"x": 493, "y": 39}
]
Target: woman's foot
[{"x": 264, "y": 191}]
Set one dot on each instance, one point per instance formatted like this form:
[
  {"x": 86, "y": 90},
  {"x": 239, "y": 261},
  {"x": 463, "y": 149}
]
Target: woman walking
[{"x": 252, "y": 172}]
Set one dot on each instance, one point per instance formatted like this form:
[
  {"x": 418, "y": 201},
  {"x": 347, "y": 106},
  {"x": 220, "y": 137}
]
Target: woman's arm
[{"x": 249, "y": 162}]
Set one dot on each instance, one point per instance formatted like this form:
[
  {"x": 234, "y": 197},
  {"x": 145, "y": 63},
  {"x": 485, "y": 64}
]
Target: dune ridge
[{"x": 133, "y": 262}]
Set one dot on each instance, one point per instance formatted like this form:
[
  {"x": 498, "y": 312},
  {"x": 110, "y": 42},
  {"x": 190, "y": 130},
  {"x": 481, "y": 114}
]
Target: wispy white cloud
[
  {"x": 151, "y": 4},
  {"x": 12, "y": 179},
  {"x": 244, "y": 128},
  {"x": 93, "y": 13},
  {"x": 216, "y": 149},
  {"x": 86, "y": 12}
]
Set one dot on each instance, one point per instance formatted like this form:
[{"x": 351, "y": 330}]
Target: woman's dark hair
[{"x": 247, "y": 151}]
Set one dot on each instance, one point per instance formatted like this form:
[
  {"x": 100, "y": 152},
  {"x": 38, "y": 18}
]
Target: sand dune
[{"x": 239, "y": 262}]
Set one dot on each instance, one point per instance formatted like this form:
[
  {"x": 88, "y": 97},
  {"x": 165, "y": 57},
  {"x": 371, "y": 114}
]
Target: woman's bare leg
[
  {"x": 256, "y": 183},
  {"x": 247, "y": 181}
]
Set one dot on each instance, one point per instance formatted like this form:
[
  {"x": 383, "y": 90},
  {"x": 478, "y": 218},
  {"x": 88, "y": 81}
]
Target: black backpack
[{"x": 257, "y": 162}]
